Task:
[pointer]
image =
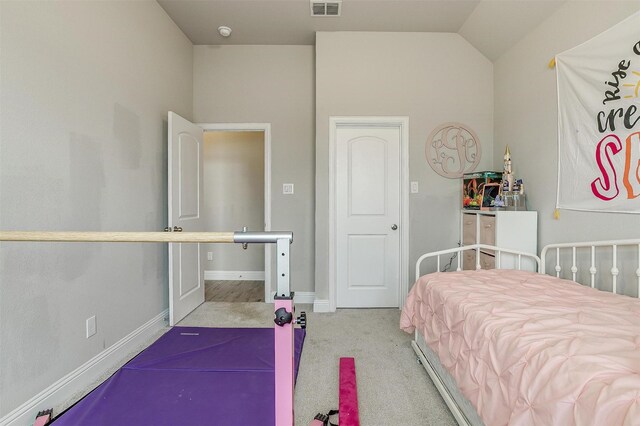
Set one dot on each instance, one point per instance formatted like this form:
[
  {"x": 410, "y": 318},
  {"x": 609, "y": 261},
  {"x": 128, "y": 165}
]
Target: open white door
[{"x": 185, "y": 201}]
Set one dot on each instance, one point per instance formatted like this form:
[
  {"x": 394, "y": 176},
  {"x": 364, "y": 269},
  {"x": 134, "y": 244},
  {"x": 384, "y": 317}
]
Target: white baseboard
[
  {"x": 85, "y": 375},
  {"x": 321, "y": 305},
  {"x": 304, "y": 297},
  {"x": 234, "y": 275}
]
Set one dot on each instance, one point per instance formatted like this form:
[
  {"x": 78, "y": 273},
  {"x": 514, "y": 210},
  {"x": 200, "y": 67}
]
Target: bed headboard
[{"x": 605, "y": 265}]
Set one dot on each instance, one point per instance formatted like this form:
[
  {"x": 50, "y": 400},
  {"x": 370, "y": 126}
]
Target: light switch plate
[
  {"x": 91, "y": 326},
  {"x": 287, "y": 188},
  {"x": 414, "y": 187}
]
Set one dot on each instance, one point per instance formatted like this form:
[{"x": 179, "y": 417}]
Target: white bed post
[
  {"x": 574, "y": 268},
  {"x": 638, "y": 271},
  {"x": 614, "y": 270},
  {"x": 593, "y": 270}
]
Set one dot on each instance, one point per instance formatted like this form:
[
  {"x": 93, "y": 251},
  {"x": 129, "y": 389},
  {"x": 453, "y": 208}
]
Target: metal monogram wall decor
[{"x": 453, "y": 149}]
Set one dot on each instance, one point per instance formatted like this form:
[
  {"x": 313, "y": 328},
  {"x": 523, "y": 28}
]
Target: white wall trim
[
  {"x": 403, "y": 124},
  {"x": 266, "y": 128},
  {"x": 306, "y": 297},
  {"x": 84, "y": 376},
  {"x": 235, "y": 275},
  {"x": 321, "y": 306}
]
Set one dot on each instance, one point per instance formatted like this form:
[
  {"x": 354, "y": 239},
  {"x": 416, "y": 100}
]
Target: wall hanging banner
[{"x": 599, "y": 122}]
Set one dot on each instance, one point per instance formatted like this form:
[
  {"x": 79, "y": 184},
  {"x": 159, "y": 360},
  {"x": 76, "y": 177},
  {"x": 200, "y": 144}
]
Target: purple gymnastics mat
[{"x": 190, "y": 376}]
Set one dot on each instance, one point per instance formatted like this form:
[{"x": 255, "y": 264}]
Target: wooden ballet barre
[
  {"x": 148, "y": 237},
  {"x": 119, "y": 237},
  {"x": 283, "y": 300}
]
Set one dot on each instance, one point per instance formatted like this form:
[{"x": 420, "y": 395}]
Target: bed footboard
[{"x": 519, "y": 255}]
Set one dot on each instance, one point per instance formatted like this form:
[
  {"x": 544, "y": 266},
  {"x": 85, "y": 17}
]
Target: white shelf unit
[{"x": 516, "y": 230}]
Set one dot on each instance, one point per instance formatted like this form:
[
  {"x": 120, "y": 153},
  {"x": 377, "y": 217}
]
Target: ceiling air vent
[{"x": 325, "y": 8}]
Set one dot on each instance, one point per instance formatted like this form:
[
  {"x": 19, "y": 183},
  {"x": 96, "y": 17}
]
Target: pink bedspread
[{"x": 529, "y": 349}]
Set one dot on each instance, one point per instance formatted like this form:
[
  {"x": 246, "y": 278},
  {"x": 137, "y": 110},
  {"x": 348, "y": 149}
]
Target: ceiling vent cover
[{"x": 326, "y": 8}]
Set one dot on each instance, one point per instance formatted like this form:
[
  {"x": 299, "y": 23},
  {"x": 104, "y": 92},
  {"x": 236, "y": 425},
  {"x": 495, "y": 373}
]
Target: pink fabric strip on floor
[
  {"x": 42, "y": 420},
  {"x": 348, "y": 404}
]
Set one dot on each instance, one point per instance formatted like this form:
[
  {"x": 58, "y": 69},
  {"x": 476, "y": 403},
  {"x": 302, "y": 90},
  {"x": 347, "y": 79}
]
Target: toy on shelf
[
  {"x": 507, "y": 174},
  {"x": 480, "y": 189},
  {"x": 511, "y": 196}
]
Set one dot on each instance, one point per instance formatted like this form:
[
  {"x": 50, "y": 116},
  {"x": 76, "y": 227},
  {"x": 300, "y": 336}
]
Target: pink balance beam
[{"x": 348, "y": 405}]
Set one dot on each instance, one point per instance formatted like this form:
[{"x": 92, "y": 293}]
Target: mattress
[{"x": 526, "y": 348}]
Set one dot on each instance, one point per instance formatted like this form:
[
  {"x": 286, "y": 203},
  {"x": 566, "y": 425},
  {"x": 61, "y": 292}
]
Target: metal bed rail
[
  {"x": 613, "y": 245},
  {"x": 519, "y": 255}
]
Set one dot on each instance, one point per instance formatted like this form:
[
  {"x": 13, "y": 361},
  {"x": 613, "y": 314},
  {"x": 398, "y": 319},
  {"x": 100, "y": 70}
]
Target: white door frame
[
  {"x": 266, "y": 128},
  {"x": 403, "y": 124}
]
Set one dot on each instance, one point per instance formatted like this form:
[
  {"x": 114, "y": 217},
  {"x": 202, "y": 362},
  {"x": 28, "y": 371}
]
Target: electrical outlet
[
  {"x": 287, "y": 188},
  {"x": 91, "y": 326},
  {"x": 209, "y": 255},
  {"x": 414, "y": 187}
]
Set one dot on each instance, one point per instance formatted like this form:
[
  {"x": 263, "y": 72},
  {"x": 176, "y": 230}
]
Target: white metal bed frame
[
  {"x": 614, "y": 245},
  {"x": 477, "y": 248}
]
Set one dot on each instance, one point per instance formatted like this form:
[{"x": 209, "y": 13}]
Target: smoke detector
[
  {"x": 224, "y": 31},
  {"x": 326, "y": 8}
]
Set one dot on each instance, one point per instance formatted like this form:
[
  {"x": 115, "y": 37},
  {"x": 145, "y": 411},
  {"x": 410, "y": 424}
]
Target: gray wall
[
  {"x": 85, "y": 89},
  {"x": 526, "y": 118},
  {"x": 269, "y": 84},
  {"x": 430, "y": 77},
  {"x": 234, "y": 196}
]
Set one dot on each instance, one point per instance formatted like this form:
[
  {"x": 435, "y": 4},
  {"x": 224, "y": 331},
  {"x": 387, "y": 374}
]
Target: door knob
[
  {"x": 177, "y": 229},
  {"x": 394, "y": 227},
  {"x": 167, "y": 229}
]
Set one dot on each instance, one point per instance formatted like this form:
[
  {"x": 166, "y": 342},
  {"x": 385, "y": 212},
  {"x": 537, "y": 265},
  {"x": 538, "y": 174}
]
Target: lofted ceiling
[{"x": 492, "y": 26}]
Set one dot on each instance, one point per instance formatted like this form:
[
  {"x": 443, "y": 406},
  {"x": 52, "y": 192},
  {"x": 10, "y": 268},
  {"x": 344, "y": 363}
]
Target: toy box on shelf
[{"x": 480, "y": 189}]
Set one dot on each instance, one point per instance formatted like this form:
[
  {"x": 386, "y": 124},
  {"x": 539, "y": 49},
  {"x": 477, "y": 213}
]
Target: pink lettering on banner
[
  {"x": 606, "y": 186},
  {"x": 631, "y": 177}
]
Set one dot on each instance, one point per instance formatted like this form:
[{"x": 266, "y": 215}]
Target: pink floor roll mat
[{"x": 348, "y": 405}]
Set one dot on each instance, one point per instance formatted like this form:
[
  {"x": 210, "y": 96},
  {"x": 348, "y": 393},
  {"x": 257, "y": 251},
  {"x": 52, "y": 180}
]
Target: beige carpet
[
  {"x": 233, "y": 291},
  {"x": 393, "y": 389}
]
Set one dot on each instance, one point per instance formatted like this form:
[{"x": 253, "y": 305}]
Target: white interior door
[
  {"x": 367, "y": 216},
  {"x": 185, "y": 199}
]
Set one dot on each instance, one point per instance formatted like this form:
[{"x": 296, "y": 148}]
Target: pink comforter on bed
[{"x": 530, "y": 349}]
